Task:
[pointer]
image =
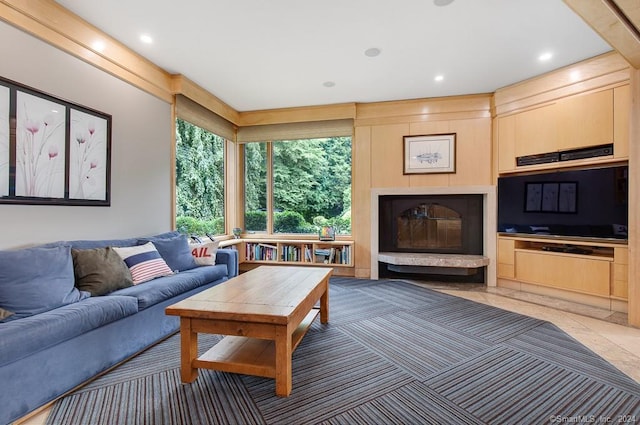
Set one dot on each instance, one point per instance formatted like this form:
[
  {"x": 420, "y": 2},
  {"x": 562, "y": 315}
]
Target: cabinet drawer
[{"x": 590, "y": 276}]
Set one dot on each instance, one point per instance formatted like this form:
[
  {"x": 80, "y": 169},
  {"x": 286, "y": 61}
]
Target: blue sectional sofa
[{"x": 51, "y": 349}]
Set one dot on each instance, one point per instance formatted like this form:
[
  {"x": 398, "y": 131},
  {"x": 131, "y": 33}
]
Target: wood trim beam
[
  {"x": 50, "y": 22},
  {"x": 184, "y": 86},
  {"x": 600, "y": 72},
  {"x": 604, "y": 16},
  {"x": 473, "y": 104},
  {"x": 302, "y": 114}
]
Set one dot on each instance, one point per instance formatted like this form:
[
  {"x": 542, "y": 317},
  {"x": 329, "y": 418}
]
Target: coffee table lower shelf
[{"x": 250, "y": 356}]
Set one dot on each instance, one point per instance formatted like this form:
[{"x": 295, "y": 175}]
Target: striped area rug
[{"x": 393, "y": 353}]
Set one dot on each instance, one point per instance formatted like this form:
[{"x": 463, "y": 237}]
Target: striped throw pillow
[{"x": 144, "y": 262}]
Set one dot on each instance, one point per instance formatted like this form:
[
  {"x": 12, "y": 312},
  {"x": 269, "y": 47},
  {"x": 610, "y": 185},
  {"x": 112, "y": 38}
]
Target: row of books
[
  {"x": 334, "y": 255},
  {"x": 294, "y": 253},
  {"x": 297, "y": 253},
  {"x": 261, "y": 252}
]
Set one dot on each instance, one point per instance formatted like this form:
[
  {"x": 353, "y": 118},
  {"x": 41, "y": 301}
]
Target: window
[
  {"x": 199, "y": 180},
  {"x": 310, "y": 185},
  {"x": 255, "y": 187}
]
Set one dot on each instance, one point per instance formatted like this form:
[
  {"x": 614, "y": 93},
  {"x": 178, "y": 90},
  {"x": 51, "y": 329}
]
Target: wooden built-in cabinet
[
  {"x": 536, "y": 131},
  {"x": 602, "y": 272},
  {"x": 579, "y": 121},
  {"x": 297, "y": 252}
]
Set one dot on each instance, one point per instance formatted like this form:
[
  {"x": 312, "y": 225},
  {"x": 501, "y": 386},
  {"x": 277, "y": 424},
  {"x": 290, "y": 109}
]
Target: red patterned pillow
[{"x": 204, "y": 253}]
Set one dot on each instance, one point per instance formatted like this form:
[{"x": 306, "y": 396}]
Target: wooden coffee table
[{"x": 264, "y": 313}]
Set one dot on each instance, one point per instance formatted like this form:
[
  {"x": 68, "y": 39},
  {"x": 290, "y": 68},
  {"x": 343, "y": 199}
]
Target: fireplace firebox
[
  {"x": 450, "y": 224},
  {"x": 438, "y": 224}
]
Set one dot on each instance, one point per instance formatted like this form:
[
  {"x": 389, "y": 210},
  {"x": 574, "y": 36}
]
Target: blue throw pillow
[
  {"x": 175, "y": 251},
  {"x": 35, "y": 280}
]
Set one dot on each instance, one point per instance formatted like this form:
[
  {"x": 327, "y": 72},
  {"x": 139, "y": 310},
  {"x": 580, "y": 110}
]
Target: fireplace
[
  {"x": 421, "y": 235},
  {"x": 448, "y": 224}
]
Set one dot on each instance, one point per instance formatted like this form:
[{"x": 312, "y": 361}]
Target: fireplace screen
[{"x": 429, "y": 226}]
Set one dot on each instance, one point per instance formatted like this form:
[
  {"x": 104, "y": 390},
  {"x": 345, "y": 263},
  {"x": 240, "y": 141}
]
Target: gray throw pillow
[{"x": 100, "y": 271}]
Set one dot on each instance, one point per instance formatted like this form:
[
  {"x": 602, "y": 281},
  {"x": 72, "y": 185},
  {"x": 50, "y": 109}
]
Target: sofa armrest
[{"x": 229, "y": 257}]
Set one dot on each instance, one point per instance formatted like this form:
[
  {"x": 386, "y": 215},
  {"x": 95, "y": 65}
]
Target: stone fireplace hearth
[{"x": 432, "y": 232}]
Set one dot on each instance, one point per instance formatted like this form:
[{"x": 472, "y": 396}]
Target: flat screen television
[{"x": 586, "y": 203}]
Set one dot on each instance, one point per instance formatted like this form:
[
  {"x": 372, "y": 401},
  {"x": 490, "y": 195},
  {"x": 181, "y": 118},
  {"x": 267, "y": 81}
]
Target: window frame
[
  {"x": 227, "y": 147},
  {"x": 269, "y": 232}
]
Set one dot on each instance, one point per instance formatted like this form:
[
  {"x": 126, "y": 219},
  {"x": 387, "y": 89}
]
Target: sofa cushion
[
  {"x": 102, "y": 243},
  {"x": 100, "y": 270},
  {"x": 174, "y": 250},
  {"x": 144, "y": 262},
  {"x": 35, "y": 280},
  {"x": 158, "y": 290},
  {"x": 204, "y": 253},
  {"x": 21, "y": 338}
]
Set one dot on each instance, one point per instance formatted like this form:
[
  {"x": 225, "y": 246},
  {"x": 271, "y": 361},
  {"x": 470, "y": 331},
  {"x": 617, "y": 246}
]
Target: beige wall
[{"x": 141, "y": 149}]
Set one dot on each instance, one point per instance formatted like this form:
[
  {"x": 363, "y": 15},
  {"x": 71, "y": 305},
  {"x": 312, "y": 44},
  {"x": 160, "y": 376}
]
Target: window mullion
[{"x": 270, "y": 188}]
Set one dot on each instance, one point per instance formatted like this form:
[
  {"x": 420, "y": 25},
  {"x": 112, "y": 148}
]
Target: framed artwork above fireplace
[{"x": 431, "y": 153}]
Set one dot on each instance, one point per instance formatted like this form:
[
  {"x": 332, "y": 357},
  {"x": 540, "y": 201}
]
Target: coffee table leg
[
  {"x": 283, "y": 362},
  {"x": 188, "y": 351},
  {"x": 324, "y": 306}
]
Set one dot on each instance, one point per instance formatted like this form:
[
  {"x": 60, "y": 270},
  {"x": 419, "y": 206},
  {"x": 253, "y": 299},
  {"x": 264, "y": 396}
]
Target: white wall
[{"x": 141, "y": 149}]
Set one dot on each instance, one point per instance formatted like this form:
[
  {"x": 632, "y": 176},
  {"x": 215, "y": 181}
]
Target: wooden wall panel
[
  {"x": 383, "y": 136},
  {"x": 474, "y": 156},
  {"x": 386, "y": 156},
  {"x": 621, "y": 111},
  {"x": 361, "y": 201},
  {"x": 634, "y": 200}
]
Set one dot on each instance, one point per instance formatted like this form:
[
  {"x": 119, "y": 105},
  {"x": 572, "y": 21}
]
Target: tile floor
[{"x": 604, "y": 332}]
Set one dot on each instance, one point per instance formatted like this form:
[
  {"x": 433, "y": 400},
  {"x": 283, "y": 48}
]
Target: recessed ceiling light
[
  {"x": 439, "y": 78},
  {"x": 372, "y": 52},
  {"x": 328, "y": 84},
  {"x": 545, "y": 56},
  {"x": 442, "y": 2},
  {"x": 146, "y": 38}
]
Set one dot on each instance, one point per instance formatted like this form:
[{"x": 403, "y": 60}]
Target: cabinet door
[
  {"x": 620, "y": 284},
  {"x": 537, "y": 131},
  {"x": 621, "y": 110},
  {"x": 506, "y": 258},
  {"x": 589, "y": 276},
  {"x": 585, "y": 120},
  {"x": 506, "y": 127}
]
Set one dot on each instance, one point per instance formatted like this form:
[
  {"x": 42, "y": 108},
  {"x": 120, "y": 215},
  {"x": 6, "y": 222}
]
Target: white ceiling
[{"x": 257, "y": 54}]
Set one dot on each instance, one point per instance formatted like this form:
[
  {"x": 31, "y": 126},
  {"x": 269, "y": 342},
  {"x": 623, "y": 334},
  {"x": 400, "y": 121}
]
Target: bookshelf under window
[{"x": 333, "y": 253}]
